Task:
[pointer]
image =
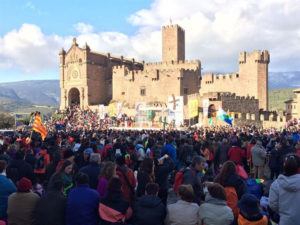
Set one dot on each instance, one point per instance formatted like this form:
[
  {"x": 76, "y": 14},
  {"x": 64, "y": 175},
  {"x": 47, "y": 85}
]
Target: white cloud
[
  {"x": 216, "y": 30},
  {"x": 84, "y": 28}
]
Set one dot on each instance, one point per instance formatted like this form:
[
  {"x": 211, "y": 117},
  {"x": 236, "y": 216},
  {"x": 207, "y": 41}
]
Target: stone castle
[{"x": 90, "y": 78}]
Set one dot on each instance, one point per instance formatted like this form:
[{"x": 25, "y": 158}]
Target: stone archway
[{"x": 74, "y": 97}]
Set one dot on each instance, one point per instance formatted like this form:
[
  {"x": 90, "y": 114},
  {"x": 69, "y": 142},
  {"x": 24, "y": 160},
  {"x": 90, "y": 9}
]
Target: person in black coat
[
  {"x": 18, "y": 168},
  {"x": 274, "y": 162},
  {"x": 51, "y": 208},
  {"x": 162, "y": 170},
  {"x": 149, "y": 210},
  {"x": 93, "y": 170}
]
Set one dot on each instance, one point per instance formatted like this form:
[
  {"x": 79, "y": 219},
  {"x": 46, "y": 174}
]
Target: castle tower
[
  {"x": 173, "y": 43},
  {"x": 253, "y": 71}
]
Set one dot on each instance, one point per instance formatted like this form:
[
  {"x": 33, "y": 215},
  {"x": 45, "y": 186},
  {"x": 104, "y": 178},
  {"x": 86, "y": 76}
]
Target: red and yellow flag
[{"x": 39, "y": 127}]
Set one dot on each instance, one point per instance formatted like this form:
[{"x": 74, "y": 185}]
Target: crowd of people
[{"x": 90, "y": 176}]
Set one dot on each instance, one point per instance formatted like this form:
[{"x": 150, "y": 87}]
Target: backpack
[
  {"x": 232, "y": 200},
  {"x": 179, "y": 178},
  {"x": 253, "y": 188},
  {"x": 39, "y": 162}
]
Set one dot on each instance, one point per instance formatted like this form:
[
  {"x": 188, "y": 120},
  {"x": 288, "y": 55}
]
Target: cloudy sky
[{"x": 33, "y": 32}]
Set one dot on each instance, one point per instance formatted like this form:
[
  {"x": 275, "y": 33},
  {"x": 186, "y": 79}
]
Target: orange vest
[{"x": 243, "y": 221}]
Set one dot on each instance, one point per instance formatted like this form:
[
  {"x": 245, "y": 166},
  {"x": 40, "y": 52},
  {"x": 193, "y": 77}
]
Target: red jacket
[
  {"x": 104, "y": 151},
  {"x": 127, "y": 191},
  {"x": 235, "y": 154}
]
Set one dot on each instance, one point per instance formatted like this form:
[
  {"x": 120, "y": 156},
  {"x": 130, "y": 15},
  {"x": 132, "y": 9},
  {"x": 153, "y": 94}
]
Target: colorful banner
[
  {"x": 119, "y": 109},
  {"x": 205, "y": 105},
  {"x": 112, "y": 110},
  {"x": 193, "y": 108},
  {"x": 101, "y": 112},
  {"x": 175, "y": 106}
]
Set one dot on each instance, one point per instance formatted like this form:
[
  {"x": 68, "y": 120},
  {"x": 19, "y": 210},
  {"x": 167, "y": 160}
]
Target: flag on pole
[
  {"x": 210, "y": 122},
  {"x": 39, "y": 127},
  {"x": 223, "y": 116}
]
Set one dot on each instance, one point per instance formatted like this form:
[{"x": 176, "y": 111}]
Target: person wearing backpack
[
  {"x": 127, "y": 178},
  {"x": 189, "y": 176},
  {"x": 42, "y": 159}
]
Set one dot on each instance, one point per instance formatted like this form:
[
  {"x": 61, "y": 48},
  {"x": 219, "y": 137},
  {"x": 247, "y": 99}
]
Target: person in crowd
[
  {"x": 113, "y": 208},
  {"x": 140, "y": 153},
  {"x": 7, "y": 187},
  {"x": 235, "y": 153},
  {"x": 221, "y": 155},
  {"x": 42, "y": 159},
  {"x": 234, "y": 186},
  {"x": 93, "y": 170},
  {"x": 169, "y": 149},
  {"x": 51, "y": 208},
  {"x": 163, "y": 167},
  {"x": 65, "y": 174},
  {"x": 82, "y": 203},
  {"x": 229, "y": 178},
  {"x": 274, "y": 162},
  {"x": 258, "y": 155},
  {"x": 107, "y": 173},
  {"x": 284, "y": 194},
  {"x": 145, "y": 175},
  {"x": 18, "y": 168},
  {"x": 215, "y": 210},
  {"x": 127, "y": 178},
  {"x": 67, "y": 155},
  {"x": 184, "y": 211},
  {"x": 22, "y": 204},
  {"x": 250, "y": 212},
  {"x": 191, "y": 177},
  {"x": 149, "y": 209}
]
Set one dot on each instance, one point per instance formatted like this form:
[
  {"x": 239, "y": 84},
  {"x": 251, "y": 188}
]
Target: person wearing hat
[
  {"x": 250, "y": 213},
  {"x": 22, "y": 204},
  {"x": 68, "y": 155}
]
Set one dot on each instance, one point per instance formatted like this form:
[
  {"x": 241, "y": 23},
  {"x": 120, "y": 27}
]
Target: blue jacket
[
  {"x": 92, "y": 170},
  {"x": 169, "y": 150},
  {"x": 82, "y": 206},
  {"x": 7, "y": 187}
]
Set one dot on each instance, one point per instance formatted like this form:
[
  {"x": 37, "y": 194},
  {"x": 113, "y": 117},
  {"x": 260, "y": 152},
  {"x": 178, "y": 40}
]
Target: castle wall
[{"x": 251, "y": 80}]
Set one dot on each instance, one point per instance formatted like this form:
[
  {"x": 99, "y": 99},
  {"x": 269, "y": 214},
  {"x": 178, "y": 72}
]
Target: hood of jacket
[
  {"x": 291, "y": 183},
  {"x": 149, "y": 201},
  {"x": 212, "y": 200}
]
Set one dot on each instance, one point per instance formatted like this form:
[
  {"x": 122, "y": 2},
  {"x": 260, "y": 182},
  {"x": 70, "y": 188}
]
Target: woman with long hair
[
  {"x": 65, "y": 174},
  {"x": 107, "y": 173},
  {"x": 145, "y": 175},
  {"x": 234, "y": 185}
]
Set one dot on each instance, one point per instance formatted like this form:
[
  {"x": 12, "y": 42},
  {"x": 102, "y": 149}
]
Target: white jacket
[{"x": 284, "y": 199}]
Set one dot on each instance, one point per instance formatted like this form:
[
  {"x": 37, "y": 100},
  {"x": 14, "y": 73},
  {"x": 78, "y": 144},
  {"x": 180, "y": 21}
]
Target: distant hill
[
  {"x": 41, "y": 92},
  {"x": 277, "y": 97}
]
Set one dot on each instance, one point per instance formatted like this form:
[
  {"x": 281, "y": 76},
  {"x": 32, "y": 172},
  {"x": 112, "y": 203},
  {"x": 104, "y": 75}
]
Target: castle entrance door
[{"x": 74, "y": 97}]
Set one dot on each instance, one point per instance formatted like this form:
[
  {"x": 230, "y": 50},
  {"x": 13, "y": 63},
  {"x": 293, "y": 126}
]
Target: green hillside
[{"x": 277, "y": 97}]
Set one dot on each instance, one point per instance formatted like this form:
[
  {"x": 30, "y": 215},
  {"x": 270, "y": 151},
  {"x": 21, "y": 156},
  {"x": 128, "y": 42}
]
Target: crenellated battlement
[
  {"x": 256, "y": 56},
  {"x": 172, "y": 27}
]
